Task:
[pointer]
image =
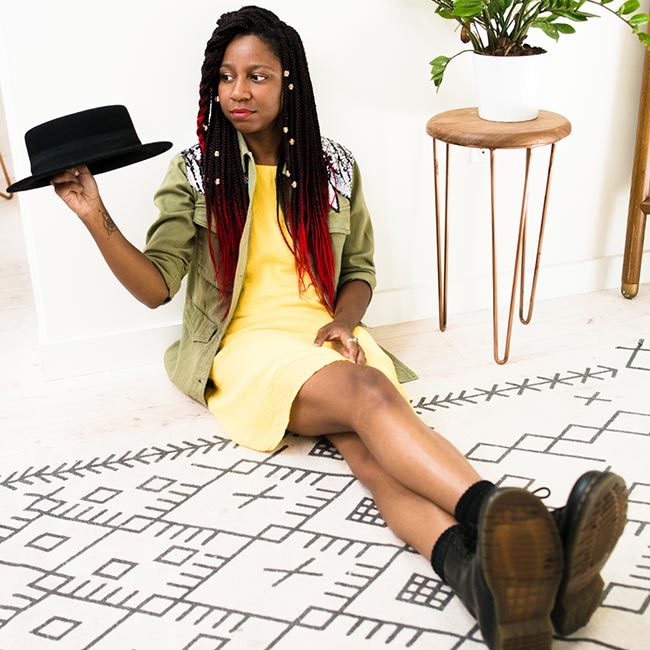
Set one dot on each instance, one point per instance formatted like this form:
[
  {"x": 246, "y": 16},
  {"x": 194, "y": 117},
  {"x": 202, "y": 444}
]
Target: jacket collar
[{"x": 246, "y": 155}]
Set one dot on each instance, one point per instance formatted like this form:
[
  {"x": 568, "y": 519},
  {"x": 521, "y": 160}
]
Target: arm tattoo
[{"x": 108, "y": 223}]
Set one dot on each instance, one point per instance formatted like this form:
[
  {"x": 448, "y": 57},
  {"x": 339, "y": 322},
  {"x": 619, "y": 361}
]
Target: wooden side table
[{"x": 465, "y": 128}]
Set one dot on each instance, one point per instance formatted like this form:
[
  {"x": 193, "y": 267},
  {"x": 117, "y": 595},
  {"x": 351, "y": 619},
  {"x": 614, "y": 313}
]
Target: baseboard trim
[
  {"x": 130, "y": 349},
  {"x": 473, "y": 293},
  {"x": 108, "y": 352}
]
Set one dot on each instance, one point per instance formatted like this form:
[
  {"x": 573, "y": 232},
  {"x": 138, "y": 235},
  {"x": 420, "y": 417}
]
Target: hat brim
[{"x": 97, "y": 165}]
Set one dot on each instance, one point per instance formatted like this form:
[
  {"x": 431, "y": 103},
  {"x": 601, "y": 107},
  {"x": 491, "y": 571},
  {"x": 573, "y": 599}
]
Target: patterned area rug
[{"x": 199, "y": 544}]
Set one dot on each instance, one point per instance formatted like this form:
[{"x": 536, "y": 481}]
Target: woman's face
[{"x": 250, "y": 85}]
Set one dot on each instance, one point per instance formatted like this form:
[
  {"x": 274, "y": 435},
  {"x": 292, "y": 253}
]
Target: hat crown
[{"x": 108, "y": 128}]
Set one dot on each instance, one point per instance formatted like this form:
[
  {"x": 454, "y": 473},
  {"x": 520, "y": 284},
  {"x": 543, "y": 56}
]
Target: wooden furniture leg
[
  {"x": 4, "y": 195},
  {"x": 639, "y": 205}
]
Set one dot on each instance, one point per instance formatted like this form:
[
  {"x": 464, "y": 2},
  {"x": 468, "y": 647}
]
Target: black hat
[{"x": 102, "y": 138}]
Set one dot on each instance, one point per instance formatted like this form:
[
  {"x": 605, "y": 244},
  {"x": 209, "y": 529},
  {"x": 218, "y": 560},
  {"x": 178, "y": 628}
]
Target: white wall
[{"x": 369, "y": 62}]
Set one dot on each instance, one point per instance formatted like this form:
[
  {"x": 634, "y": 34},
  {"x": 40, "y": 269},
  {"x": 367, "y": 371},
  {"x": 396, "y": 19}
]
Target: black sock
[
  {"x": 469, "y": 505},
  {"x": 439, "y": 550}
]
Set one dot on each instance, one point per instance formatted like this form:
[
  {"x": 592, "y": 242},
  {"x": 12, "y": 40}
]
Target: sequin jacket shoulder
[{"x": 340, "y": 166}]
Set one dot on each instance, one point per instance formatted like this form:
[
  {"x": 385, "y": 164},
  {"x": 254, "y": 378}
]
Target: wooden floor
[{"x": 37, "y": 415}]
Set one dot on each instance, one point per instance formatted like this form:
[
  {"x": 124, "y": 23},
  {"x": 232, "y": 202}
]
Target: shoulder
[
  {"x": 191, "y": 157},
  {"x": 340, "y": 165}
]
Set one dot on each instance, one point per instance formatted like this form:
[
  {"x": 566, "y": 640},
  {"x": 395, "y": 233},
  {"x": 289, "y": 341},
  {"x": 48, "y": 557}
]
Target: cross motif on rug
[
  {"x": 294, "y": 572},
  {"x": 592, "y": 399}
]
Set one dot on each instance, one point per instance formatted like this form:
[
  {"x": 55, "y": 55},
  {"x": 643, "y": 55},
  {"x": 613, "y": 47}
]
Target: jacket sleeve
[
  {"x": 170, "y": 239},
  {"x": 357, "y": 260}
]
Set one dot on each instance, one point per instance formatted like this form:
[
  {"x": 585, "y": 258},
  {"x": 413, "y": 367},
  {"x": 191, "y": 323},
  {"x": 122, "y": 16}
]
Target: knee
[{"x": 373, "y": 389}]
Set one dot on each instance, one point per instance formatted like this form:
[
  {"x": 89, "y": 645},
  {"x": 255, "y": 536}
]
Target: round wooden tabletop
[{"x": 464, "y": 127}]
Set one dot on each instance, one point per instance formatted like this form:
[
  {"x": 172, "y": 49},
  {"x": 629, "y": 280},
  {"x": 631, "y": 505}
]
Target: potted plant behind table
[{"x": 508, "y": 71}]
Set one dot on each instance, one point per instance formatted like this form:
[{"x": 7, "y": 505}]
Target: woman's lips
[{"x": 241, "y": 114}]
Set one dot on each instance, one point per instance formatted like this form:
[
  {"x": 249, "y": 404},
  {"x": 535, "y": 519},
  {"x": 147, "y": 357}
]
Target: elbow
[{"x": 158, "y": 302}]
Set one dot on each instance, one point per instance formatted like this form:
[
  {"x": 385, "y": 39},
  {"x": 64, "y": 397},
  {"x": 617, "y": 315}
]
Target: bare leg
[
  {"x": 344, "y": 396},
  {"x": 414, "y": 519}
]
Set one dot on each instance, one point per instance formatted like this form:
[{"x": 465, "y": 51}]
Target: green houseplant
[{"x": 498, "y": 28}]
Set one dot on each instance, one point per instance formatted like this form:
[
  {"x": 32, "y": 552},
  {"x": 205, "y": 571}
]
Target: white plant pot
[{"x": 509, "y": 87}]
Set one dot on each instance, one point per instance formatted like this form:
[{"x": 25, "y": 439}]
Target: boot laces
[{"x": 547, "y": 494}]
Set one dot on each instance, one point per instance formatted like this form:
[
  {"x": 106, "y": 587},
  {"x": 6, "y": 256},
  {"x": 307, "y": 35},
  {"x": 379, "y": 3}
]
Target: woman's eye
[{"x": 225, "y": 76}]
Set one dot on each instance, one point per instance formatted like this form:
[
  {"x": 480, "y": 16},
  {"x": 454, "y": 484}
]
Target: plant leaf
[
  {"x": 628, "y": 7},
  {"x": 645, "y": 39},
  {"x": 445, "y": 13},
  {"x": 571, "y": 15},
  {"x": 438, "y": 67},
  {"x": 639, "y": 20},
  {"x": 468, "y": 8},
  {"x": 439, "y": 61},
  {"x": 548, "y": 28},
  {"x": 563, "y": 28}
]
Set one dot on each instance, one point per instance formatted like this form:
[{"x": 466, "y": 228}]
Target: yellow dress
[{"x": 267, "y": 352}]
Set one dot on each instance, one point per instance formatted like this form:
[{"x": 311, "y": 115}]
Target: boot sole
[
  {"x": 596, "y": 524},
  {"x": 521, "y": 553}
]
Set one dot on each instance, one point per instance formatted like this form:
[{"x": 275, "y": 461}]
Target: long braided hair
[{"x": 303, "y": 193}]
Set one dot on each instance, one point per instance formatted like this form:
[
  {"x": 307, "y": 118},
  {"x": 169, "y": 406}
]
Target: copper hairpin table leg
[
  {"x": 520, "y": 257},
  {"x": 4, "y": 195},
  {"x": 442, "y": 274},
  {"x": 526, "y": 320},
  {"x": 520, "y": 242}
]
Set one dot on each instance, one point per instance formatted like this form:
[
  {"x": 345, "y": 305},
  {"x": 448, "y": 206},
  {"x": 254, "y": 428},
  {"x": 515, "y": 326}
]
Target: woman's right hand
[{"x": 78, "y": 189}]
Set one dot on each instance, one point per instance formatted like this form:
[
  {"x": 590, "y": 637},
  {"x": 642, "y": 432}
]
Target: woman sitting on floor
[{"x": 261, "y": 200}]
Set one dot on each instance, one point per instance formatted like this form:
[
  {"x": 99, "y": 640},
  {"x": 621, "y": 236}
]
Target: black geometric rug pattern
[{"x": 202, "y": 544}]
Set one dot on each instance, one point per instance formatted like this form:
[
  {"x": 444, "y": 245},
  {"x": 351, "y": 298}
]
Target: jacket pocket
[
  {"x": 202, "y": 257},
  {"x": 339, "y": 221},
  {"x": 200, "y": 327}
]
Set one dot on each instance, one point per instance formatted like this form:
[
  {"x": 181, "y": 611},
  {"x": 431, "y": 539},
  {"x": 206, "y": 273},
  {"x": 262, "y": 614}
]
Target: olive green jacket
[{"x": 177, "y": 245}]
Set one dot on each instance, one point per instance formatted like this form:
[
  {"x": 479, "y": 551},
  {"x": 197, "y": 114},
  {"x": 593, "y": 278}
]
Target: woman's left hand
[{"x": 339, "y": 333}]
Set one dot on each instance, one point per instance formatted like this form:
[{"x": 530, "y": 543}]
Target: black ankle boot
[
  {"x": 509, "y": 580},
  {"x": 589, "y": 525}
]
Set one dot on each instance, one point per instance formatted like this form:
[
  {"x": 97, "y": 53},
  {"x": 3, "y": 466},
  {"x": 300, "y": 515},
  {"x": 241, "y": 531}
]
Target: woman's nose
[{"x": 240, "y": 90}]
